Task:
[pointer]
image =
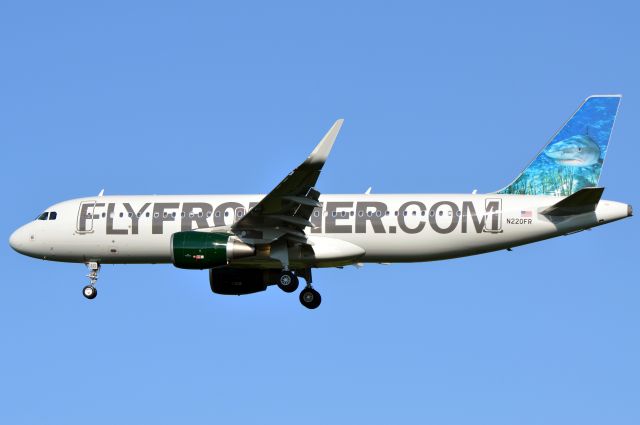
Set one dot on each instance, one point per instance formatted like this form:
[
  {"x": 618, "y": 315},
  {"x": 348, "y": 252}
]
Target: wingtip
[{"x": 322, "y": 150}]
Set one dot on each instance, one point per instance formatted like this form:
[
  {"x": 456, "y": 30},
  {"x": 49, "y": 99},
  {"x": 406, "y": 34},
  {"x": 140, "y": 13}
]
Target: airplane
[{"x": 250, "y": 242}]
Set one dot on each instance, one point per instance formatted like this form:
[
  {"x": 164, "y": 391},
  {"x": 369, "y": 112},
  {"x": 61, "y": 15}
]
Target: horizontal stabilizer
[{"x": 583, "y": 201}]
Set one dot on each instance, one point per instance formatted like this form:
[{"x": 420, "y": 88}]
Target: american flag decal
[{"x": 525, "y": 214}]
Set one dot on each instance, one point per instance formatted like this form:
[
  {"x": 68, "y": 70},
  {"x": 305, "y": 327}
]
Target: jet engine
[
  {"x": 202, "y": 250},
  {"x": 230, "y": 281}
]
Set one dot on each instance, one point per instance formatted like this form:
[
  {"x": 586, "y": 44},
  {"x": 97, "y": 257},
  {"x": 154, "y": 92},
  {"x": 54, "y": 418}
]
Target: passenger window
[
  {"x": 121, "y": 215},
  {"x": 147, "y": 214},
  {"x": 53, "y": 215}
]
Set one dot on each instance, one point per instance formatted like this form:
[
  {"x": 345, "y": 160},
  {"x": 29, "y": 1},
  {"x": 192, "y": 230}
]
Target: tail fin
[{"x": 573, "y": 159}]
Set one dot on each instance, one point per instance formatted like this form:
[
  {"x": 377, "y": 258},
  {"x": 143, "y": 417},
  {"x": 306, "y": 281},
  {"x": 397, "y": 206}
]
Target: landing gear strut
[{"x": 90, "y": 291}]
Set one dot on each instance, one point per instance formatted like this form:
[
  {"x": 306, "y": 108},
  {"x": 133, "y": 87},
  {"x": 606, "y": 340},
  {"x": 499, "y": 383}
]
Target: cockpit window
[
  {"x": 43, "y": 216},
  {"x": 53, "y": 215}
]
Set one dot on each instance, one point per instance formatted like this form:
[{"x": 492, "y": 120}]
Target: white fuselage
[{"x": 385, "y": 228}]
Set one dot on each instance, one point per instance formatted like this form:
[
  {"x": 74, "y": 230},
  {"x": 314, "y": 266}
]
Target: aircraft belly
[
  {"x": 385, "y": 248},
  {"x": 111, "y": 249}
]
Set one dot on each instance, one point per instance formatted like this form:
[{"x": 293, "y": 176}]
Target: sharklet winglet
[{"x": 321, "y": 152}]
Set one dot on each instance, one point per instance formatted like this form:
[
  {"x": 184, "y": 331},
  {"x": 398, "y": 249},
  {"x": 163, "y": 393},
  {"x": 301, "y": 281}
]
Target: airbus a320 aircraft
[{"x": 249, "y": 242}]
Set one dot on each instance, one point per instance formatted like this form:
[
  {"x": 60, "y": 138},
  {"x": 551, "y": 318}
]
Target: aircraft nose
[{"x": 18, "y": 240}]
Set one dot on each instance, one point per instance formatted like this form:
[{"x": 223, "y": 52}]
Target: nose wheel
[{"x": 90, "y": 291}]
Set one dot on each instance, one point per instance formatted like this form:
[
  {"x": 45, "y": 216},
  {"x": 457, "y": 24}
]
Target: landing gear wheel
[
  {"x": 89, "y": 292},
  {"x": 288, "y": 282},
  {"x": 310, "y": 298}
]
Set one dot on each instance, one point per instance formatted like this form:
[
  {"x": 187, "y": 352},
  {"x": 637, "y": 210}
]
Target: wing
[{"x": 285, "y": 211}]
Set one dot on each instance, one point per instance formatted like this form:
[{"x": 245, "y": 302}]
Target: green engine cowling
[{"x": 202, "y": 250}]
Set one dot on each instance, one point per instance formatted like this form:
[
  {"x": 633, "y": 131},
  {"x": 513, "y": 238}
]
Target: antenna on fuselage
[{"x": 101, "y": 192}]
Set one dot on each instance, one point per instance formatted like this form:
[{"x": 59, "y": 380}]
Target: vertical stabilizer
[{"x": 573, "y": 159}]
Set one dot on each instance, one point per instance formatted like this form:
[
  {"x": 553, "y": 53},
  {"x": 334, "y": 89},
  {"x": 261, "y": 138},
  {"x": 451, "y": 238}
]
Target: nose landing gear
[{"x": 90, "y": 291}]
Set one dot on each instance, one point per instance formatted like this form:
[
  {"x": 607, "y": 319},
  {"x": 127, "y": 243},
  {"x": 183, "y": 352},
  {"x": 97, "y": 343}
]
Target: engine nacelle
[
  {"x": 202, "y": 250},
  {"x": 230, "y": 281}
]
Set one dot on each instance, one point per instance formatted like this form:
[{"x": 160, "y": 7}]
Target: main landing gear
[
  {"x": 310, "y": 298},
  {"x": 90, "y": 291},
  {"x": 288, "y": 281}
]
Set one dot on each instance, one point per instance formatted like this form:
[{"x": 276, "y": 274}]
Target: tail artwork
[{"x": 573, "y": 159}]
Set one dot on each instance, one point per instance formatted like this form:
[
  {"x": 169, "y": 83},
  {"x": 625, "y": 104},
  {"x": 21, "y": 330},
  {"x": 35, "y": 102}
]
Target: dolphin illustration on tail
[{"x": 572, "y": 160}]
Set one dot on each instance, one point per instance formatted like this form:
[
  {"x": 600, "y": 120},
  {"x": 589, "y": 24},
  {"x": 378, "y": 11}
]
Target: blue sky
[{"x": 204, "y": 97}]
